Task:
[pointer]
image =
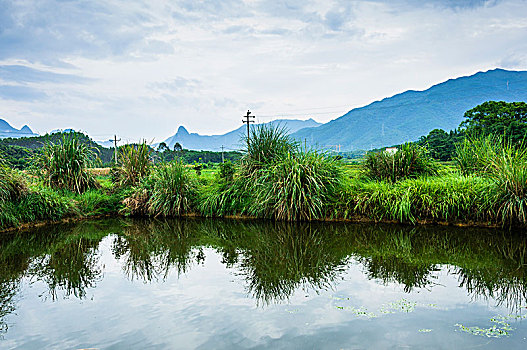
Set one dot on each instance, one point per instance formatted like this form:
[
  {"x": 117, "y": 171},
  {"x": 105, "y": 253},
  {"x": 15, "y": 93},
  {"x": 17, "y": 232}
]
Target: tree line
[{"x": 504, "y": 119}]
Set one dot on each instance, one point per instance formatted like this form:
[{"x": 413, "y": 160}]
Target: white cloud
[{"x": 141, "y": 68}]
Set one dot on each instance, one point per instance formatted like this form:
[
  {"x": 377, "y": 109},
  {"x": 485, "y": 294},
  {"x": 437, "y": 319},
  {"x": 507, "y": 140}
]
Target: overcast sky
[{"x": 142, "y": 68}]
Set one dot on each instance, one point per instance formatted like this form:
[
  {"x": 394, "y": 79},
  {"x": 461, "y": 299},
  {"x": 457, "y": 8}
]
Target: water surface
[{"x": 217, "y": 284}]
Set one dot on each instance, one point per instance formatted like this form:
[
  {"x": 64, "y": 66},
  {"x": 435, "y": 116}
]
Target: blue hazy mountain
[
  {"x": 230, "y": 140},
  {"x": 411, "y": 114},
  {"x": 7, "y": 130}
]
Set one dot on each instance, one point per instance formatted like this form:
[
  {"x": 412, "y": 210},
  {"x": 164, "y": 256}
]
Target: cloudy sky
[{"x": 142, "y": 68}]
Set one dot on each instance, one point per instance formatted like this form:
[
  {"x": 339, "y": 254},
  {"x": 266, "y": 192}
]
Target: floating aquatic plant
[{"x": 501, "y": 327}]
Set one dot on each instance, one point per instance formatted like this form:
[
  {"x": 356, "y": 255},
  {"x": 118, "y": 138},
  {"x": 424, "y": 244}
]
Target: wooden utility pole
[
  {"x": 248, "y": 121},
  {"x": 115, "y": 149},
  {"x": 222, "y": 159}
]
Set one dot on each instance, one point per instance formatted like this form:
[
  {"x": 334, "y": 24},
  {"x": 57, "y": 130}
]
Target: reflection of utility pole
[
  {"x": 222, "y": 159},
  {"x": 248, "y": 121},
  {"x": 115, "y": 149}
]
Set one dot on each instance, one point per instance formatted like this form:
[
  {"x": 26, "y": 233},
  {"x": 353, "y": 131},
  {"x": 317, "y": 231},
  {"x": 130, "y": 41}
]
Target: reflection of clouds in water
[{"x": 241, "y": 280}]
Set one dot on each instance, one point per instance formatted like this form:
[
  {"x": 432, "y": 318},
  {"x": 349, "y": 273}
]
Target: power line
[
  {"x": 309, "y": 109},
  {"x": 299, "y": 114}
]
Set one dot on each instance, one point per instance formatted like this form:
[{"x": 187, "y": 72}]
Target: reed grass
[
  {"x": 434, "y": 199},
  {"x": 267, "y": 143},
  {"x": 509, "y": 172},
  {"x": 409, "y": 161},
  {"x": 298, "y": 187},
  {"x": 63, "y": 165},
  {"x": 174, "y": 190},
  {"x": 224, "y": 198},
  {"x": 134, "y": 164},
  {"x": 505, "y": 163},
  {"x": 12, "y": 184},
  {"x": 97, "y": 202},
  {"x": 473, "y": 154}
]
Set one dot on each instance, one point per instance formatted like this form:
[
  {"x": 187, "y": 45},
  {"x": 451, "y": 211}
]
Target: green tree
[
  {"x": 440, "y": 144},
  {"x": 162, "y": 147},
  {"x": 498, "y": 118}
]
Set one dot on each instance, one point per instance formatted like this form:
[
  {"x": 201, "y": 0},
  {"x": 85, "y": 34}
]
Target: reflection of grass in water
[
  {"x": 152, "y": 248},
  {"x": 501, "y": 327},
  {"x": 289, "y": 258},
  {"x": 8, "y": 290}
]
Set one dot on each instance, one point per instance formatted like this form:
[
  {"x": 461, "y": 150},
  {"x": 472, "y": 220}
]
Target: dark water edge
[{"x": 205, "y": 283}]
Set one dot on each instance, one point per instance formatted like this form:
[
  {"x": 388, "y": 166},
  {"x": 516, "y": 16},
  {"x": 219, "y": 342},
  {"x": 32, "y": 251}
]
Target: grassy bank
[
  {"x": 279, "y": 180},
  {"x": 58, "y": 187}
]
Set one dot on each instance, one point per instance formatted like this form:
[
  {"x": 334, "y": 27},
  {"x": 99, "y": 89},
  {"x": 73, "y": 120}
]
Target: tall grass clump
[
  {"x": 12, "y": 184},
  {"x": 451, "y": 198},
  {"x": 297, "y": 187},
  {"x": 267, "y": 143},
  {"x": 134, "y": 163},
  {"x": 475, "y": 154},
  {"x": 63, "y": 165},
  {"x": 409, "y": 161},
  {"x": 223, "y": 198},
  {"x": 173, "y": 191},
  {"x": 275, "y": 179},
  {"x": 505, "y": 163},
  {"x": 509, "y": 171}
]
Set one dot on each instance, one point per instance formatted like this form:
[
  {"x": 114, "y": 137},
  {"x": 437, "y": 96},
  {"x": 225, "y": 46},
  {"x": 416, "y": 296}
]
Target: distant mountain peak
[
  {"x": 6, "y": 130},
  {"x": 26, "y": 130},
  {"x": 4, "y": 126},
  {"x": 230, "y": 140},
  {"x": 182, "y": 130}
]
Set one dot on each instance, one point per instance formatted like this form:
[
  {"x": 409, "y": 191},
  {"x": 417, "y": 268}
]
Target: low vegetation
[
  {"x": 279, "y": 180},
  {"x": 408, "y": 161},
  {"x": 134, "y": 163},
  {"x": 173, "y": 190},
  {"x": 63, "y": 165}
]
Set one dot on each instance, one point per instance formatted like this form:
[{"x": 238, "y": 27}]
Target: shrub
[
  {"x": 63, "y": 165},
  {"x": 173, "y": 191},
  {"x": 409, "y": 161},
  {"x": 134, "y": 162}
]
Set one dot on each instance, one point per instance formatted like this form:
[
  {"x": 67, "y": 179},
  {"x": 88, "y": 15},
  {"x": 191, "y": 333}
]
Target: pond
[{"x": 225, "y": 284}]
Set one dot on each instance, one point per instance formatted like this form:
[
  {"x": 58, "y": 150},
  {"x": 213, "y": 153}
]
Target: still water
[{"x": 217, "y": 284}]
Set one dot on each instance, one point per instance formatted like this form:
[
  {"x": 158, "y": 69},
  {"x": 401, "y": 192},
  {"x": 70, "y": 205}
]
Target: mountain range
[
  {"x": 393, "y": 120},
  {"x": 7, "y": 130},
  {"x": 411, "y": 114},
  {"x": 230, "y": 140}
]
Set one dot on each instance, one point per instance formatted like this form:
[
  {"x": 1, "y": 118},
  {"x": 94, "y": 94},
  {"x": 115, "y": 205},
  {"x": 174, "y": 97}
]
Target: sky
[{"x": 140, "y": 69}]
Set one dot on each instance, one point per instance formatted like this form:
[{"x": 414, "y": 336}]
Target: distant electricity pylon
[{"x": 337, "y": 147}]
